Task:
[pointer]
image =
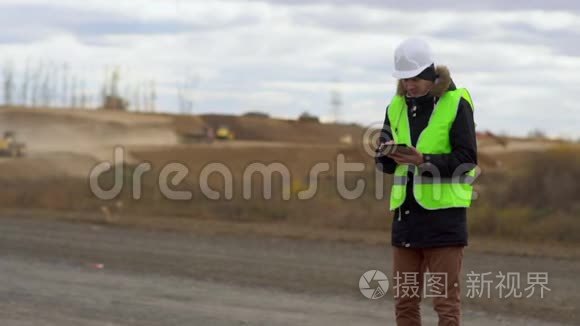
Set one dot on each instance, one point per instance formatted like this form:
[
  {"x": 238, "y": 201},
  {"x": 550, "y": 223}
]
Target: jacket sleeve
[
  {"x": 385, "y": 163},
  {"x": 463, "y": 144}
]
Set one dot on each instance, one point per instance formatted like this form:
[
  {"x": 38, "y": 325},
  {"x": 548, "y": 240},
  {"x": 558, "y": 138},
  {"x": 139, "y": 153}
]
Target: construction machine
[
  {"x": 9, "y": 146},
  {"x": 224, "y": 133}
]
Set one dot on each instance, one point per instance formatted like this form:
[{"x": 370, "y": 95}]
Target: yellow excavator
[
  {"x": 9, "y": 146},
  {"x": 224, "y": 133}
]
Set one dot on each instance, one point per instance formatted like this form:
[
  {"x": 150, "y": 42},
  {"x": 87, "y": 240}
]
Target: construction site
[
  {"x": 49, "y": 155},
  {"x": 216, "y": 163}
]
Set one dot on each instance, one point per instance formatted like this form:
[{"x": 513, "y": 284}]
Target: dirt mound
[
  {"x": 188, "y": 124},
  {"x": 63, "y": 142},
  {"x": 99, "y": 116},
  {"x": 50, "y": 130},
  {"x": 279, "y": 130}
]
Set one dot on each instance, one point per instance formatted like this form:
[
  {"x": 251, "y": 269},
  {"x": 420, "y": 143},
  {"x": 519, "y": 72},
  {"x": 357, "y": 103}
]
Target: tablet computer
[{"x": 386, "y": 149}]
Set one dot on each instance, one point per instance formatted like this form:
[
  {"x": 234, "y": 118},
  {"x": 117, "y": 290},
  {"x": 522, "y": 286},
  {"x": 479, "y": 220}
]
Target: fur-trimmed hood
[{"x": 441, "y": 84}]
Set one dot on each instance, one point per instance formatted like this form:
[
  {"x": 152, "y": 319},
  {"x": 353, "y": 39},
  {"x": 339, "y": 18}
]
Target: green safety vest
[{"x": 430, "y": 192}]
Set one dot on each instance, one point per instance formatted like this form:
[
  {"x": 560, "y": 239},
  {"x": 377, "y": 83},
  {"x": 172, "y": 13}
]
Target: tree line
[{"x": 48, "y": 84}]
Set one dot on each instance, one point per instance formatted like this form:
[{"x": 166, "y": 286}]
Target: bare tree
[
  {"x": 35, "y": 87},
  {"x": 8, "y": 82},
  {"x": 25, "y": 84},
  {"x": 146, "y": 99},
  {"x": 105, "y": 88},
  {"x": 53, "y": 87},
  {"x": 153, "y": 96},
  {"x": 180, "y": 98},
  {"x": 126, "y": 93},
  {"x": 73, "y": 92},
  {"x": 45, "y": 88},
  {"x": 115, "y": 78},
  {"x": 537, "y": 134},
  {"x": 65, "y": 85},
  {"x": 83, "y": 94},
  {"x": 137, "y": 97}
]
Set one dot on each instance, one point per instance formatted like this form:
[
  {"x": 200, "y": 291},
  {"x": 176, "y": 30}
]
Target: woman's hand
[{"x": 413, "y": 157}]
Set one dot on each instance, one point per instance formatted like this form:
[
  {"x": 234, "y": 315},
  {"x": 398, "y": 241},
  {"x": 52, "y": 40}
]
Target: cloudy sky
[{"x": 520, "y": 60}]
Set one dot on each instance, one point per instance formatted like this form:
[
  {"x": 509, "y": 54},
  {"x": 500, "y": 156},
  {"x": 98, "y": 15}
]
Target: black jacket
[{"x": 414, "y": 226}]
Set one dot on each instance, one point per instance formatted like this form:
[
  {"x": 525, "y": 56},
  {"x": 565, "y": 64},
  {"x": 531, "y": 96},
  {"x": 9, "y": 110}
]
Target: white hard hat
[{"x": 411, "y": 58}]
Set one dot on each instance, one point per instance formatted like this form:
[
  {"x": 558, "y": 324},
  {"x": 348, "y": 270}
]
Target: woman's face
[{"x": 416, "y": 87}]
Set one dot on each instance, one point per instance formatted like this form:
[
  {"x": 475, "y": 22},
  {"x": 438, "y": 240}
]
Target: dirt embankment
[{"x": 70, "y": 142}]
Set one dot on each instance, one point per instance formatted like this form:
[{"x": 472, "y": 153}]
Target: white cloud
[{"x": 286, "y": 59}]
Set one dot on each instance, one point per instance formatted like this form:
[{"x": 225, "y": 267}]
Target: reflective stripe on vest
[
  {"x": 469, "y": 179},
  {"x": 430, "y": 192}
]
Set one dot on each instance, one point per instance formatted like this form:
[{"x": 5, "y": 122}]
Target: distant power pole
[
  {"x": 336, "y": 105},
  {"x": 185, "y": 94}
]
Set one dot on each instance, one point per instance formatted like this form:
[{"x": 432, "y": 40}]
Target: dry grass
[
  {"x": 536, "y": 197},
  {"x": 527, "y": 206}
]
